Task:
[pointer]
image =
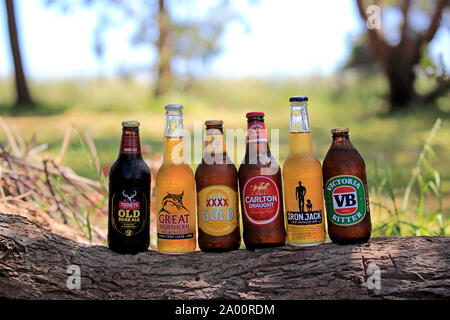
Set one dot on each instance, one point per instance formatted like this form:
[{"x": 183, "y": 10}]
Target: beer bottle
[
  {"x": 260, "y": 189},
  {"x": 345, "y": 188},
  {"x": 175, "y": 190},
  {"x": 217, "y": 194},
  {"x": 129, "y": 195},
  {"x": 302, "y": 178}
]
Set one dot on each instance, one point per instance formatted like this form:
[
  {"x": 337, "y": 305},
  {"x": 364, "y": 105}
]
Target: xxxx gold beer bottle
[
  {"x": 346, "y": 194},
  {"x": 175, "y": 190},
  {"x": 129, "y": 195},
  {"x": 217, "y": 194},
  {"x": 302, "y": 176},
  {"x": 260, "y": 189}
]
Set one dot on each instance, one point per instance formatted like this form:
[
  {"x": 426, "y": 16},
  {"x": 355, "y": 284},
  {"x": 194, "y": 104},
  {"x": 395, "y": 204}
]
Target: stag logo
[
  {"x": 172, "y": 200},
  {"x": 129, "y": 198}
]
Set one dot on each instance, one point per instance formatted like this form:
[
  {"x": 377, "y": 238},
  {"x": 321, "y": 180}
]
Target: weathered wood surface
[{"x": 34, "y": 262}]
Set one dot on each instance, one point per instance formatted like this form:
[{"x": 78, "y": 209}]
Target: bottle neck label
[
  {"x": 261, "y": 197},
  {"x": 346, "y": 200},
  {"x": 256, "y": 132},
  {"x": 130, "y": 144}
]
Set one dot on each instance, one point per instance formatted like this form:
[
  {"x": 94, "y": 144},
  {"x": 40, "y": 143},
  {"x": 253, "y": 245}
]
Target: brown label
[{"x": 130, "y": 145}]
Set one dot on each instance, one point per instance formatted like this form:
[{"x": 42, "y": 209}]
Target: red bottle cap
[{"x": 255, "y": 114}]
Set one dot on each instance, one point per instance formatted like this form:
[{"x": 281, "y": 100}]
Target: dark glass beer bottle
[
  {"x": 345, "y": 190},
  {"x": 260, "y": 189},
  {"x": 217, "y": 194},
  {"x": 129, "y": 195}
]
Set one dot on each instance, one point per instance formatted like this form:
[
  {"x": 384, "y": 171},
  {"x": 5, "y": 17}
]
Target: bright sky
[{"x": 286, "y": 38}]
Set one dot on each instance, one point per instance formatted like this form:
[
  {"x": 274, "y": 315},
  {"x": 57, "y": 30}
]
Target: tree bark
[
  {"x": 34, "y": 263},
  {"x": 23, "y": 95}
]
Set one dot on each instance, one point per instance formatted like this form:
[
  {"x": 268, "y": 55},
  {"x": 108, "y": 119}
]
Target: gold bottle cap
[
  {"x": 130, "y": 124},
  {"x": 213, "y": 123},
  {"x": 340, "y": 130}
]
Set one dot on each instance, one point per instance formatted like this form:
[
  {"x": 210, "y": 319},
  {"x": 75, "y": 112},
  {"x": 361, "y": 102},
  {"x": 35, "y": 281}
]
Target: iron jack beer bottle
[
  {"x": 345, "y": 188},
  {"x": 302, "y": 177},
  {"x": 175, "y": 190},
  {"x": 260, "y": 189},
  {"x": 129, "y": 195},
  {"x": 217, "y": 194}
]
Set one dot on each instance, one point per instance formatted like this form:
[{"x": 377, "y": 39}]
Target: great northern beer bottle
[
  {"x": 302, "y": 177},
  {"x": 217, "y": 194},
  {"x": 175, "y": 190},
  {"x": 260, "y": 189},
  {"x": 345, "y": 188},
  {"x": 129, "y": 195}
]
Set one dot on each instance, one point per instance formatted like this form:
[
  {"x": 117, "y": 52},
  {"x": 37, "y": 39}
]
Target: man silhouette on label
[{"x": 300, "y": 193}]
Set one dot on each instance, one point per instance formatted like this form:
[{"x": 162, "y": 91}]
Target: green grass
[{"x": 389, "y": 143}]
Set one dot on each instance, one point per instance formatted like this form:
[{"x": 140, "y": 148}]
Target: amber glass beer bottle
[
  {"x": 217, "y": 194},
  {"x": 129, "y": 195},
  {"x": 175, "y": 190},
  {"x": 260, "y": 189},
  {"x": 302, "y": 178},
  {"x": 346, "y": 194}
]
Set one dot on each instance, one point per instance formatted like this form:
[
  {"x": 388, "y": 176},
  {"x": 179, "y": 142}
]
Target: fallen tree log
[{"x": 34, "y": 264}]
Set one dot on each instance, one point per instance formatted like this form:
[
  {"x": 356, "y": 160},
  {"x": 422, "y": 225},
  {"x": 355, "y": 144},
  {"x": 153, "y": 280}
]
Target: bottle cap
[
  {"x": 174, "y": 107},
  {"x": 213, "y": 123},
  {"x": 340, "y": 130},
  {"x": 255, "y": 114},
  {"x": 130, "y": 124},
  {"x": 298, "y": 99}
]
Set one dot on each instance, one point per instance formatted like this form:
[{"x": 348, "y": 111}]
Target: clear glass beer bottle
[
  {"x": 302, "y": 179},
  {"x": 175, "y": 190}
]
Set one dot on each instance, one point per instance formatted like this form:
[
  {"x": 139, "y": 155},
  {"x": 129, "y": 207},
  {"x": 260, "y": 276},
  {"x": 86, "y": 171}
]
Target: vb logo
[
  {"x": 74, "y": 280},
  {"x": 345, "y": 200}
]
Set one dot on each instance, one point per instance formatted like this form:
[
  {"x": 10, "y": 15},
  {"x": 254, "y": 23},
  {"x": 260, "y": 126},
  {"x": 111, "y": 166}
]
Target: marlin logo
[{"x": 173, "y": 200}]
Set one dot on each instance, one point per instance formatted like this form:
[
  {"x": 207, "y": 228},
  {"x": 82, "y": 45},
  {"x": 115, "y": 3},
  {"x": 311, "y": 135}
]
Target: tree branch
[{"x": 434, "y": 24}]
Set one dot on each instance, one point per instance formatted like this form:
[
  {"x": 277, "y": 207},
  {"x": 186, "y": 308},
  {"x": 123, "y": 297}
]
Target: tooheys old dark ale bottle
[
  {"x": 260, "y": 189},
  {"x": 345, "y": 188},
  {"x": 217, "y": 194},
  {"x": 129, "y": 195}
]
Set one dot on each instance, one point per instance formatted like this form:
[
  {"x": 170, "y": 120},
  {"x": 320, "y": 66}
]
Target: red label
[
  {"x": 261, "y": 200},
  {"x": 345, "y": 200},
  {"x": 257, "y": 132},
  {"x": 129, "y": 205},
  {"x": 130, "y": 144}
]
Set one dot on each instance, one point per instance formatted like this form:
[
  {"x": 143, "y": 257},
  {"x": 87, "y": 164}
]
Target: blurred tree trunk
[
  {"x": 165, "y": 45},
  {"x": 23, "y": 95},
  {"x": 398, "y": 61}
]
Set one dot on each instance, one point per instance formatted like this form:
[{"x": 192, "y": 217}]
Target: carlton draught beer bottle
[
  {"x": 217, "y": 194},
  {"x": 175, "y": 190},
  {"x": 129, "y": 195},
  {"x": 302, "y": 177},
  {"x": 260, "y": 189},
  {"x": 346, "y": 194}
]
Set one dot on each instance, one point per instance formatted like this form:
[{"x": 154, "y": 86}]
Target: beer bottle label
[
  {"x": 261, "y": 198},
  {"x": 217, "y": 210},
  {"x": 346, "y": 200},
  {"x": 129, "y": 211},
  {"x": 130, "y": 144},
  {"x": 175, "y": 218},
  {"x": 257, "y": 132}
]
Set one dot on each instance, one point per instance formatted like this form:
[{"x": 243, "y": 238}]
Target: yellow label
[
  {"x": 217, "y": 210},
  {"x": 303, "y": 199}
]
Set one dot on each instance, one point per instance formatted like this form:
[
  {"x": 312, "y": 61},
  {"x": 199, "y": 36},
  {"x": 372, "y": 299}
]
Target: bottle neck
[
  {"x": 257, "y": 141},
  {"x": 214, "y": 140},
  {"x": 300, "y": 141},
  {"x": 130, "y": 145},
  {"x": 174, "y": 138},
  {"x": 341, "y": 141}
]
